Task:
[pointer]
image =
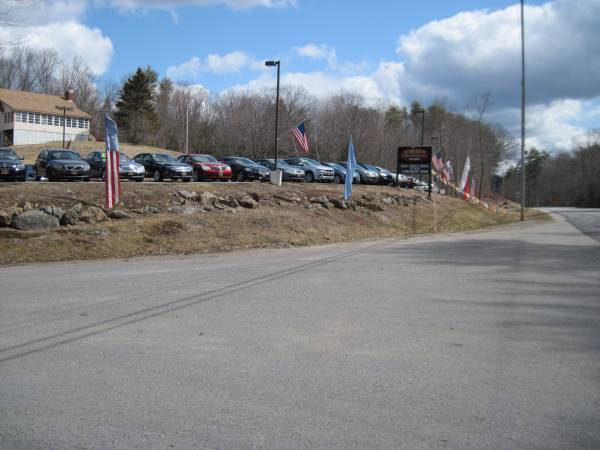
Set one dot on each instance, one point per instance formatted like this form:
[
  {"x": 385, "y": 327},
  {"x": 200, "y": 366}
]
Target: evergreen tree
[{"x": 135, "y": 112}]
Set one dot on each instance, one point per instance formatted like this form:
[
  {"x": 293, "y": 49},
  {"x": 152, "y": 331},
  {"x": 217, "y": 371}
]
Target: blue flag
[{"x": 350, "y": 167}]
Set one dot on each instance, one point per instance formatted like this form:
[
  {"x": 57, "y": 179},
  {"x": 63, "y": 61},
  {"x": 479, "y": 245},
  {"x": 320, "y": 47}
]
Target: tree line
[
  {"x": 565, "y": 179},
  {"x": 157, "y": 111}
]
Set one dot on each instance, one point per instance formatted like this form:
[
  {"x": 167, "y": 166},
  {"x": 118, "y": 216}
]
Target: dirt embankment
[{"x": 178, "y": 218}]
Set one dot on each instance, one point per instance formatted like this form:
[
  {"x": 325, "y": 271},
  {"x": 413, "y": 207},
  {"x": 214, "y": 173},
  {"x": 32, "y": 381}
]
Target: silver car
[{"x": 314, "y": 170}]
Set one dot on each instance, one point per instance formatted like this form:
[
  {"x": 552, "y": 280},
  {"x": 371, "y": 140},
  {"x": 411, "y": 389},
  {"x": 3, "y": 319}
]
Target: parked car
[
  {"x": 404, "y": 181},
  {"x": 386, "y": 176},
  {"x": 160, "y": 166},
  {"x": 11, "y": 165},
  {"x": 339, "y": 173},
  {"x": 381, "y": 178},
  {"x": 58, "y": 163},
  {"x": 128, "y": 169},
  {"x": 207, "y": 167},
  {"x": 245, "y": 169},
  {"x": 366, "y": 176},
  {"x": 289, "y": 173},
  {"x": 313, "y": 170}
]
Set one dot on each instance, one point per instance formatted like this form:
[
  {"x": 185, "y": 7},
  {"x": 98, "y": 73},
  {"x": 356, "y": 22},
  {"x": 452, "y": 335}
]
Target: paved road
[
  {"x": 587, "y": 220},
  {"x": 486, "y": 340}
]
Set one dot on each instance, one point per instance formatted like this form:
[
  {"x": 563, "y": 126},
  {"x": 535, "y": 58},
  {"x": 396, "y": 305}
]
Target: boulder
[
  {"x": 187, "y": 195},
  {"x": 34, "y": 219},
  {"x": 78, "y": 207},
  {"x": 228, "y": 200},
  {"x": 119, "y": 214},
  {"x": 339, "y": 203},
  {"x": 53, "y": 211},
  {"x": 150, "y": 210},
  {"x": 290, "y": 197},
  {"x": 248, "y": 202},
  {"x": 328, "y": 205},
  {"x": 388, "y": 201},
  {"x": 5, "y": 218},
  {"x": 70, "y": 217},
  {"x": 321, "y": 199},
  {"x": 27, "y": 206},
  {"x": 92, "y": 214},
  {"x": 207, "y": 199}
]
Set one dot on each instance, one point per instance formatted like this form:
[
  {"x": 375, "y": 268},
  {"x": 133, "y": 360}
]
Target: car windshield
[
  {"x": 203, "y": 158},
  {"x": 310, "y": 161},
  {"x": 64, "y": 154},
  {"x": 8, "y": 154},
  {"x": 369, "y": 167},
  {"x": 245, "y": 161},
  {"x": 161, "y": 157},
  {"x": 334, "y": 166},
  {"x": 122, "y": 157}
]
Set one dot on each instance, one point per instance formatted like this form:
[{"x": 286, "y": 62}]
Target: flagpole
[{"x": 522, "y": 111}]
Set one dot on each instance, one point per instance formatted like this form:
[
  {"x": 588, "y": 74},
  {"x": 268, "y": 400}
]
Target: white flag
[{"x": 465, "y": 174}]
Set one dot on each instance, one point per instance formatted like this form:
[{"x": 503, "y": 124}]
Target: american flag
[
  {"x": 300, "y": 135},
  {"x": 113, "y": 183},
  {"x": 437, "y": 159}
]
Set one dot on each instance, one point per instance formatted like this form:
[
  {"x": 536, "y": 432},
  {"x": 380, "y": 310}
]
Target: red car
[{"x": 206, "y": 167}]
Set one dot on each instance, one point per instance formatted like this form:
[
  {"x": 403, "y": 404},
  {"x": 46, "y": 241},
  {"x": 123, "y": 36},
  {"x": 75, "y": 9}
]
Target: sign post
[{"x": 415, "y": 161}]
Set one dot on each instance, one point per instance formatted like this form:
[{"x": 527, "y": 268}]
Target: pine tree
[{"x": 135, "y": 114}]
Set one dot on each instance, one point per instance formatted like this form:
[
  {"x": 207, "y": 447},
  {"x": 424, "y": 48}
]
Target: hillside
[{"x": 177, "y": 218}]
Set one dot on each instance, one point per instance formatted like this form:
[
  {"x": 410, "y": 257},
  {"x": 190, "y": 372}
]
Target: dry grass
[{"x": 271, "y": 225}]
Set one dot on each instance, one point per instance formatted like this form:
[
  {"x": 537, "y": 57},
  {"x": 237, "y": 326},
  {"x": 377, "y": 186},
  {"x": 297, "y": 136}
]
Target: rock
[
  {"x": 175, "y": 209},
  {"x": 327, "y": 205},
  {"x": 53, "y": 211},
  {"x": 5, "y": 218},
  {"x": 119, "y": 214},
  {"x": 207, "y": 199},
  {"x": 100, "y": 234},
  {"x": 388, "y": 201},
  {"x": 92, "y": 214},
  {"x": 290, "y": 197},
  {"x": 78, "y": 207},
  {"x": 70, "y": 217},
  {"x": 228, "y": 200},
  {"x": 321, "y": 199},
  {"x": 34, "y": 219},
  {"x": 150, "y": 210},
  {"x": 189, "y": 209},
  {"x": 248, "y": 202},
  {"x": 339, "y": 203},
  {"x": 27, "y": 206},
  {"x": 187, "y": 195}
]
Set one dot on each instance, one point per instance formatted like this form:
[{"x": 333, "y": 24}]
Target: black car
[
  {"x": 128, "y": 169},
  {"x": 11, "y": 165},
  {"x": 58, "y": 163},
  {"x": 160, "y": 166},
  {"x": 289, "y": 173},
  {"x": 245, "y": 169}
]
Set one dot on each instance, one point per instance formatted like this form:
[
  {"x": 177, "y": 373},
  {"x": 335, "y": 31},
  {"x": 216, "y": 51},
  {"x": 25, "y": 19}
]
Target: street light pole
[
  {"x": 64, "y": 109},
  {"x": 522, "y": 111},
  {"x": 277, "y": 64},
  {"x": 422, "y": 112}
]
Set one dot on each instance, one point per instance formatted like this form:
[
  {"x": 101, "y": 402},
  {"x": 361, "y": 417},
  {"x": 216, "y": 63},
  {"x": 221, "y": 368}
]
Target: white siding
[{"x": 28, "y": 136}]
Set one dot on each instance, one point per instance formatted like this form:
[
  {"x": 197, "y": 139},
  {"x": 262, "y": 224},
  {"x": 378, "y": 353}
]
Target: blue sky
[{"x": 388, "y": 51}]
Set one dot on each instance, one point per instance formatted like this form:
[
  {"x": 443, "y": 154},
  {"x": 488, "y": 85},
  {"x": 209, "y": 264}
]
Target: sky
[{"x": 390, "y": 51}]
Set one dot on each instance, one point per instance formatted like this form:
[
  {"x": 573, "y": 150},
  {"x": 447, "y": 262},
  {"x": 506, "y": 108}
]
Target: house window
[
  {"x": 37, "y": 118},
  {"x": 30, "y": 117},
  {"x": 56, "y": 120},
  {"x": 81, "y": 123}
]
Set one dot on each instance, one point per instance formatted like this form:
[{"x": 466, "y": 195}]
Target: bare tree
[{"x": 46, "y": 64}]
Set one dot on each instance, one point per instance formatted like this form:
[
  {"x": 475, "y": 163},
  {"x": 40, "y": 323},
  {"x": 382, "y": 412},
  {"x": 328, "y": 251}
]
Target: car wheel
[
  {"x": 86, "y": 179},
  {"x": 239, "y": 176},
  {"x": 196, "y": 176},
  {"x": 337, "y": 179},
  {"x": 139, "y": 180},
  {"x": 309, "y": 177},
  {"x": 186, "y": 180},
  {"x": 157, "y": 176}
]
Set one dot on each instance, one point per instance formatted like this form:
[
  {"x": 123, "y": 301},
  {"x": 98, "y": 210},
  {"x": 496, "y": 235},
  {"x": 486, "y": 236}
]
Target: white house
[{"x": 31, "y": 118}]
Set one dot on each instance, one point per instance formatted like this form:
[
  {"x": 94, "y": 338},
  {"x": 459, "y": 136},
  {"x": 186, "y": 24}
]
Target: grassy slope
[{"x": 271, "y": 225}]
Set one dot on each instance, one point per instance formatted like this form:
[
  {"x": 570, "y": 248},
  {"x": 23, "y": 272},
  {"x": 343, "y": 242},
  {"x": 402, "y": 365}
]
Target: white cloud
[
  {"x": 69, "y": 39},
  {"x": 231, "y": 62},
  {"x": 214, "y": 63},
  {"x": 322, "y": 51},
  {"x": 479, "y": 51},
  {"x": 189, "y": 70},
  {"x": 172, "y": 5}
]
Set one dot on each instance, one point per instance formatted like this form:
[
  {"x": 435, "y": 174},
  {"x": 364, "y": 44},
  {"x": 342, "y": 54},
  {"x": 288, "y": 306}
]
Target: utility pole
[
  {"x": 64, "y": 109},
  {"x": 187, "y": 127},
  {"x": 522, "y": 111}
]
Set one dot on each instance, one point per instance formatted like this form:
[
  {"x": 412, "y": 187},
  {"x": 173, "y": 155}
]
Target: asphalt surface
[
  {"x": 483, "y": 340},
  {"x": 586, "y": 220}
]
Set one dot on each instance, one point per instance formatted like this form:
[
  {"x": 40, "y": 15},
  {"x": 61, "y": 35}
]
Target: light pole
[
  {"x": 275, "y": 64},
  {"x": 64, "y": 109},
  {"x": 522, "y": 112},
  {"x": 422, "y": 112}
]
